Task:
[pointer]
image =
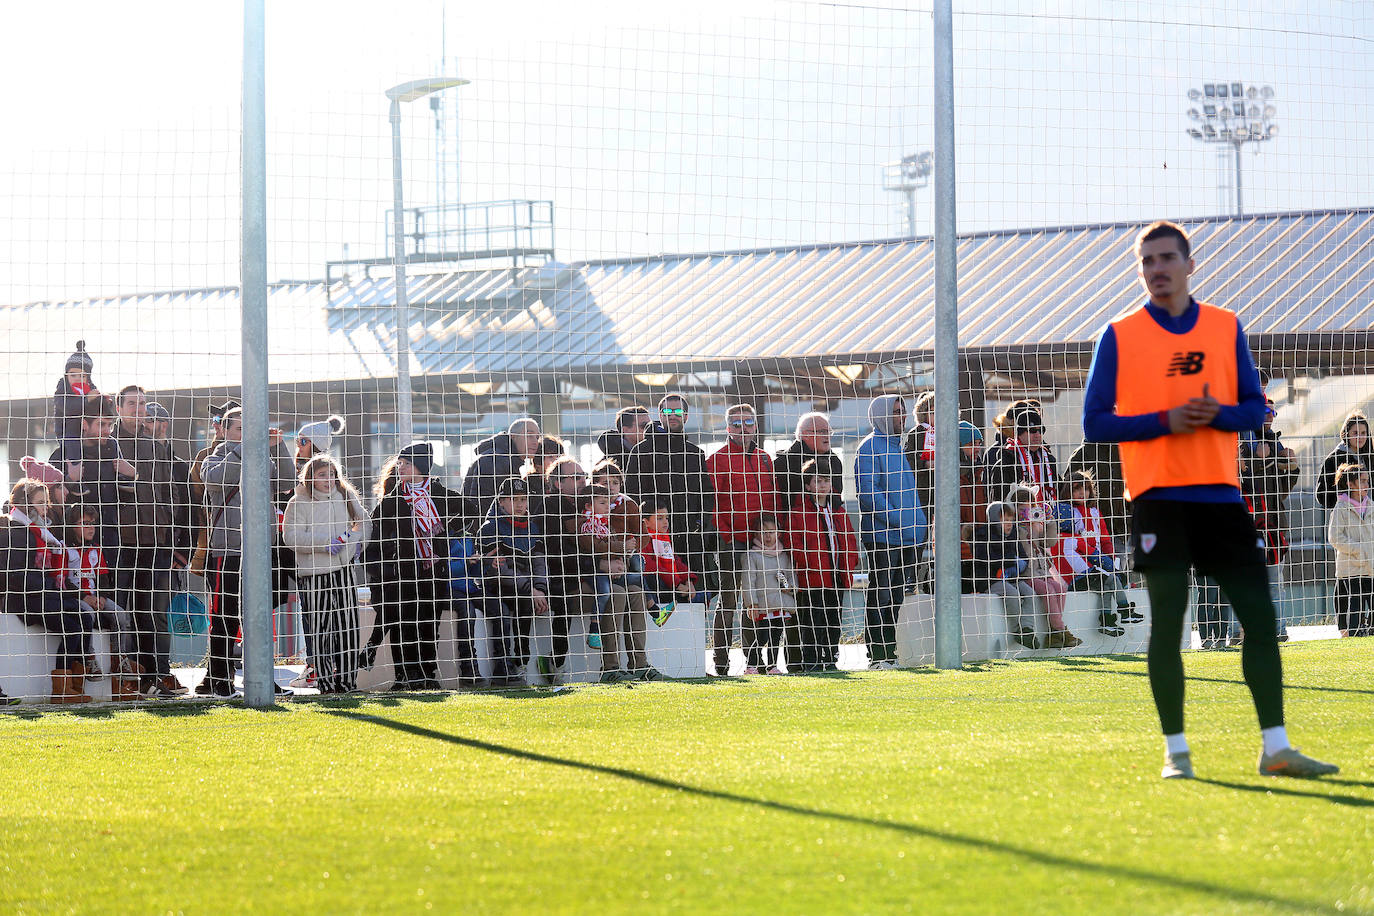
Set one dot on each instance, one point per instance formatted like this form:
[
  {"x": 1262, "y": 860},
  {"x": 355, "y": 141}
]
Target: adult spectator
[
  {"x": 1355, "y": 446},
  {"x": 812, "y": 444},
  {"x": 920, "y": 446},
  {"x": 1024, "y": 459},
  {"x": 410, "y": 527},
  {"x": 571, "y": 591},
  {"x": 893, "y": 522},
  {"x": 29, "y": 591},
  {"x": 147, "y": 513},
  {"x": 742, "y": 476},
  {"x": 1003, "y": 425},
  {"x": 200, "y": 548},
  {"x": 99, "y": 469},
  {"x": 1103, "y": 461},
  {"x": 973, "y": 499},
  {"x": 222, "y": 473},
  {"x": 1268, "y": 471},
  {"x": 316, "y": 438},
  {"x": 186, "y": 506},
  {"x": 631, "y": 423},
  {"x": 672, "y": 468},
  {"x": 498, "y": 457},
  {"x": 547, "y": 451}
]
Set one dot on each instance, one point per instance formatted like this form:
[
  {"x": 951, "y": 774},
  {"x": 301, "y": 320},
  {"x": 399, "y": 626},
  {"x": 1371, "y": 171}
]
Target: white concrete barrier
[{"x": 26, "y": 657}]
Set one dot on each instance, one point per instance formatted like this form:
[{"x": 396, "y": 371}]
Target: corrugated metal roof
[{"x": 1282, "y": 274}]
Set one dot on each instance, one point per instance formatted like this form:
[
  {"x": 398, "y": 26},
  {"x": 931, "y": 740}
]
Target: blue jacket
[
  {"x": 890, "y": 509},
  {"x": 464, "y": 567}
]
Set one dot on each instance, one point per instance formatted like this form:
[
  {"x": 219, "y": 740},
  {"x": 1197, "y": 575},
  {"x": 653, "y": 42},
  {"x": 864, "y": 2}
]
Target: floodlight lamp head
[{"x": 416, "y": 89}]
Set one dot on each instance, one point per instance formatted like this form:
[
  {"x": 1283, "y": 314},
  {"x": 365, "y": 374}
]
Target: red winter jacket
[
  {"x": 744, "y": 488},
  {"x": 809, "y": 541}
]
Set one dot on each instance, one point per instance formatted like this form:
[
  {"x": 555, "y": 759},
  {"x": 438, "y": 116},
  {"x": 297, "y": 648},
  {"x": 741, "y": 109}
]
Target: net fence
[{"x": 670, "y": 316}]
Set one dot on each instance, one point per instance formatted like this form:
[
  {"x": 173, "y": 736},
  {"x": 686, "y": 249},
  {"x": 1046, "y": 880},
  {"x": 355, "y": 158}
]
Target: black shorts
[{"x": 1172, "y": 534}]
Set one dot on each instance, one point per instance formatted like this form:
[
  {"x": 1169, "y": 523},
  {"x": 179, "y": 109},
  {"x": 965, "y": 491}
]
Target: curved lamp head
[{"x": 416, "y": 89}]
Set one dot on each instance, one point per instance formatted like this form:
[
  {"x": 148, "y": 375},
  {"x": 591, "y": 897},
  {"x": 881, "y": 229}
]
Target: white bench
[
  {"x": 985, "y": 633},
  {"x": 26, "y": 657},
  {"x": 677, "y": 649}
]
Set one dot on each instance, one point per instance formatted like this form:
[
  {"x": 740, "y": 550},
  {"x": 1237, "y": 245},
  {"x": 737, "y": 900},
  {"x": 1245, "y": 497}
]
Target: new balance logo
[{"x": 1189, "y": 363}]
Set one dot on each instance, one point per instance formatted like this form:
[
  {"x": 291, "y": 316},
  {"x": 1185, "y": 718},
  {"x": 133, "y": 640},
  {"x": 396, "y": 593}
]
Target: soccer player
[{"x": 1174, "y": 382}]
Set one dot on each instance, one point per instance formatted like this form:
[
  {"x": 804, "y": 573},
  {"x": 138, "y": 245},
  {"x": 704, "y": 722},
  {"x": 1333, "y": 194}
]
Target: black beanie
[
  {"x": 80, "y": 359},
  {"x": 420, "y": 455}
]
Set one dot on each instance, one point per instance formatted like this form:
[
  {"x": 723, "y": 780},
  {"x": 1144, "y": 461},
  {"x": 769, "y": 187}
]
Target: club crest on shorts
[{"x": 1147, "y": 542}]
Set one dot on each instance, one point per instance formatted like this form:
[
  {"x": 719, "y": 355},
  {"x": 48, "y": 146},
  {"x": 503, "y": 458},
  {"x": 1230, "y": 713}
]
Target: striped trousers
[{"x": 329, "y": 606}]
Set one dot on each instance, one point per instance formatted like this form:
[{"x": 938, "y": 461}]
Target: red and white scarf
[
  {"x": 424, "y": 517},
  {"x": 1034, "y": 464}
]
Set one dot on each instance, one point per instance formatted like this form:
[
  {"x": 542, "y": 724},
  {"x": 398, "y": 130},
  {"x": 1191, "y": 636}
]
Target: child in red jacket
[
  {"x": 825, "y": 554},
  {"x": 665, "y": 576}
]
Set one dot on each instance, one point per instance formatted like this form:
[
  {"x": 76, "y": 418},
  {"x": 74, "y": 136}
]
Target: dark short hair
[
  {"x": 765, "y": 518},
  {"x": 1163, "y": 229},
  {"x": 650, "y": 505},
  {"x": 97, "y": 406},
  {"x": 128, "y": 390},
  {"x": 608, "y": 466},
  {"x": 674, "y": 396},
  {"x": 623, "y": 415},
  {"x": 548, "y": 445}
]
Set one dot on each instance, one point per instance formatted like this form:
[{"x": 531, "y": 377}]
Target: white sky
[{"x": 730, "y": 125}]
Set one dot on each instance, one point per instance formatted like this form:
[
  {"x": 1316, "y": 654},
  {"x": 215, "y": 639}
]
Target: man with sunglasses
[
  {"x": 669, "y": 466},
  {"x": 742, "y": 474}
]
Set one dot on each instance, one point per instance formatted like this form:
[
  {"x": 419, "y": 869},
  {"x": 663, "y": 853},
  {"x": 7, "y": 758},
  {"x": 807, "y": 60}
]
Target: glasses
[
  {"x": 673, "y": 411},
  {"x": 740, "y": 424}
]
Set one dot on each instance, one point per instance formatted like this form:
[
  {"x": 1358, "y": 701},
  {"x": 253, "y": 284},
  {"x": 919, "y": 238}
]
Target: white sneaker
[
  {"x": 307, "y": 678},
  {"x": 1178, "y": 766}
]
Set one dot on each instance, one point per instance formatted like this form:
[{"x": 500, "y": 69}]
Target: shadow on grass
[
  {"x": 1035, "y": 856},
  {"x": 1081, "y": 666},
  {"x": 1276, "y": 789}
]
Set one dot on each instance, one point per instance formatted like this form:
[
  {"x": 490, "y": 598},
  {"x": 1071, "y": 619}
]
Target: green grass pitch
[{"x": 1025, "y": 787}]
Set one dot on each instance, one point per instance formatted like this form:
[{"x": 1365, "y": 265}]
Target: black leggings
[{"x": 1247, "y": 588}]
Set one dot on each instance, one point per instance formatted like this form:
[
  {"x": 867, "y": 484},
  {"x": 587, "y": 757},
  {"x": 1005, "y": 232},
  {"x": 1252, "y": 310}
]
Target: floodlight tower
[
  {"x": 907, "y": 177},
  {"x": 1233, "y": 113}
]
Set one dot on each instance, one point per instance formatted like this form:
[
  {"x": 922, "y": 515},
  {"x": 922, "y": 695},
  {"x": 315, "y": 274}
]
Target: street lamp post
[
  {"x": 1233, "y": 113},
  {"x": 906, "y": 177},
  {"x": 405, "y": 92}
]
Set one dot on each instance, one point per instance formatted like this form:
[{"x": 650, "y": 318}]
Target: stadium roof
[{"x": 1295, "y": 279}]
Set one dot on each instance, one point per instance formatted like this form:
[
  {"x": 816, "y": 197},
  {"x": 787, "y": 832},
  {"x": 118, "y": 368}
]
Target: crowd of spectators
[{"x": 97, "y": 536}]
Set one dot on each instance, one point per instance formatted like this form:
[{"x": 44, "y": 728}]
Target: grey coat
[{"x": 222, "y": 472}]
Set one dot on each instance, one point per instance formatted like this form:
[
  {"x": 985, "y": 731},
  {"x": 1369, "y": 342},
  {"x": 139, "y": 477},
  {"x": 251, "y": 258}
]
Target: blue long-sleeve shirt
[{"x": 1101, "y": 423}]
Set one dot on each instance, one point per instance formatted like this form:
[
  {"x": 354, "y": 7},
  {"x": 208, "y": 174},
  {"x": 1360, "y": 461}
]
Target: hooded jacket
[
  {"x": 1344, "y": 454},
  {"x": 891, "y": 511},
  {"x": 497, "y": 459},
  {"x": 671, "y": 467}
]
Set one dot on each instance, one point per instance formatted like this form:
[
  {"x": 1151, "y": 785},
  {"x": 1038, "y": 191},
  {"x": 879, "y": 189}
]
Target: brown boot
[
  {"x": 78, "y": 668},
  {"x": 66, "y": 688},
  {"x": 124, "y": 681}
]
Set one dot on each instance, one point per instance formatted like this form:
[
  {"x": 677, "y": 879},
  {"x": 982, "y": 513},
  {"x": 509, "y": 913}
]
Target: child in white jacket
[
  {"x": 1351, "y": 532},
  {"x": 326, "y": 525},
  {"x": 770, "y": 600}
]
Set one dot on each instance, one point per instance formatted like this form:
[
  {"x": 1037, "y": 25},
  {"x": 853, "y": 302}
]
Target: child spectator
[
  {"x": 770, "y": 600},
  {"x": 626, "y": 523},
  {"x": 826, "y": 553},
  {"x": 595, "y": 539},
  {"x": 467, "y": 601},
  {"x": 1351, "y": 532},
  {"x": 1085, "y": 555},
  {"x": 69, "y": 399},
  {"x": 326, "y": 527},
  {"x": 88, "y": 567},
  {"x": 514, "y": 576},
  {"x": 1001, "y": 563},
  {"x": 1037, "y": 541},
  {"x": 667, "y": 577}
]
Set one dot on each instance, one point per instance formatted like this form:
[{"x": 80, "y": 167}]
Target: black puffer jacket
[
  {"x": 671, "y": 467},
  {"x": 497, "y": 459},
  {"x": 787, "y": 465}
]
